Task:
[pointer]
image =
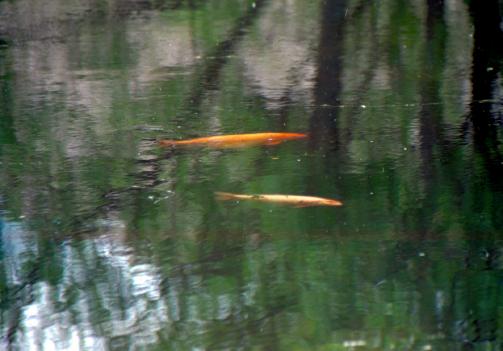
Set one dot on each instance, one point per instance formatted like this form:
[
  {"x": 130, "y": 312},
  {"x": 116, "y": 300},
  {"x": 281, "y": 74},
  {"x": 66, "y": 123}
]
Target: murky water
[{"x": 110, "y": 242}]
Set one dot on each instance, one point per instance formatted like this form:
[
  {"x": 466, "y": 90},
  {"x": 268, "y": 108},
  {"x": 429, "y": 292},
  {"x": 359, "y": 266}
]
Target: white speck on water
[
  {"x": 405, "y": 148},
  {"x": 363, "y": 106},
  {"x": 298, "y": 160},
  {"x": 422, "y": 254},
  {"x": 371, "y": 141},
  {"x": 151, "y": 197},
  {"x": 371, "y": 193},
  {"x": 489, "y": 69},
  {"x": 21, "y": 217},
  {"x": 254, "y": 5}
]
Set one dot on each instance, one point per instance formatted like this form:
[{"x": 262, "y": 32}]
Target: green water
[{"x": 108, "y": 242}]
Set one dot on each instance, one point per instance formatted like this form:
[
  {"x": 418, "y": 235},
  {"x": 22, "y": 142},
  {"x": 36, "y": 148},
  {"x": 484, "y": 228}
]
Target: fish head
[
  {"x": 295, "y": 135},
  {"x": 331, "y": 202}
]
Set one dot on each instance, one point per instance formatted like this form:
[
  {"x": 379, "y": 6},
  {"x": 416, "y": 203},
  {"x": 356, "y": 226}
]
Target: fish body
[
  {"x": 293, "y": 200},
  {"x": 236, "y": 140}
]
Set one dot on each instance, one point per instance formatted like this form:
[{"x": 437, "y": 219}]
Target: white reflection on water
[
  {"x": 164, "y": 49},
  {"x": 42, "y": 328},
  {"x": 224, "y": 306},
  {"x": 280, "y": 62},
  {"x": 104, "y": 292},
  {"x": 18, "y": 246}
]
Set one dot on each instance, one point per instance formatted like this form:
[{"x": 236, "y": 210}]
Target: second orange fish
[{"x": 236, "y": 140}]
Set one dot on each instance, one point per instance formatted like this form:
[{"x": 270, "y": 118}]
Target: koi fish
[
  {"x": 235, "y": 140},
  {"x": 293, "y": 200}
]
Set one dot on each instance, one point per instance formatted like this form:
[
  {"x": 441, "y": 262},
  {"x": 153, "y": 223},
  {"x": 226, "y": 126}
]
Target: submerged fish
[
  {"x": 236, "y": 140},
  {"x": 293, "y": 200}
]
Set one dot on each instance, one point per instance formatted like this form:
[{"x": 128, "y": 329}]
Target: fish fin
[
  {"x": 273, "y": 142},
  {"x": 167, "y": 143},
  {"x": 302, "y": 205},
  {"x": 221, "y": 196}
]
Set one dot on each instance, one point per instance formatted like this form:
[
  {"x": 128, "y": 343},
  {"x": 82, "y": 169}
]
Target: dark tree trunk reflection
[
  {"x": 210, "y": 75},
  {"x": 7, "y": 135},
  {"x": 484, "y": 117},
  {"x": 476, "y": 293},
  {"x": 486, "y": 68},
  {"x": 323, "y": 124},
  {"x": 430, "y": 119}
]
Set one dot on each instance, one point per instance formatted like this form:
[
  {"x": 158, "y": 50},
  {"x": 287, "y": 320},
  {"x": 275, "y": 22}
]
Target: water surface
[{"x": 108, "y": 242}]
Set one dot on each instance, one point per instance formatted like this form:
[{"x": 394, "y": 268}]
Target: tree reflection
[
  {"x": 323, "y": 122},
  {"x": 107, "y": 243}
]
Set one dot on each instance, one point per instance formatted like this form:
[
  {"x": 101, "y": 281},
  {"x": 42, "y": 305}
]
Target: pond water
[{"x": 110, "y": 242}]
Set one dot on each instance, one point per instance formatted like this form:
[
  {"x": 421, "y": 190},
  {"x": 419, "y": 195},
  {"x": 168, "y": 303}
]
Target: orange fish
[
  {"x": 293, "y": 200},
  {"x": 236, "y": 140}
]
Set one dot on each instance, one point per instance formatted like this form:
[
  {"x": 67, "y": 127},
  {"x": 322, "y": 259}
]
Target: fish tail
[
  {"x": 221, "y": 196},
  {"x": 167, "y": 143}
]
